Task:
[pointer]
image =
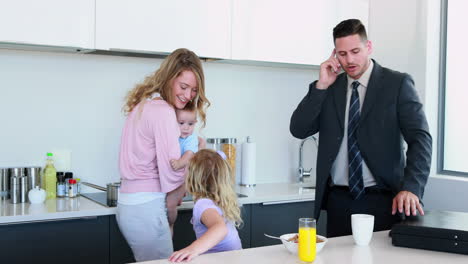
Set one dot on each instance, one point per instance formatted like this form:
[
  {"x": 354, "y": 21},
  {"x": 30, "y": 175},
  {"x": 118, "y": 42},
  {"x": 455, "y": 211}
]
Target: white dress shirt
[{"x": 339, "y": 170}]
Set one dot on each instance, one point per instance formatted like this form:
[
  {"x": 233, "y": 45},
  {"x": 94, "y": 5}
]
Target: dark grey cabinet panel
[
  {"x": 99, "y": 240},
  {"x": 183, "y": 230},
  {"x": 120, "y": 251},
  {"x": 245, "y": 229},
  {"x": 80, "y": 240},
  {"x": 277, "y": 219}
]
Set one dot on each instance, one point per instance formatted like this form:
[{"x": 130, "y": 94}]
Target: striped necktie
[{"x": 356, "y": 182}]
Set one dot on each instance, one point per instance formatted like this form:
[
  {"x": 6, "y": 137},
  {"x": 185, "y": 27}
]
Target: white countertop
[
  {"x": 337, "y": 250},
  {"x": 63, "y": 208},
  {"x": 276, "y": 192},
  {"x": 270, "y": 193},
  {"x": 59, "y": 208}
]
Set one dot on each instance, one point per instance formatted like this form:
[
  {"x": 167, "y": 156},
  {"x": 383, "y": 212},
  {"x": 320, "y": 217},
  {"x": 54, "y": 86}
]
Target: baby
[{"x": 187, "y": 118}]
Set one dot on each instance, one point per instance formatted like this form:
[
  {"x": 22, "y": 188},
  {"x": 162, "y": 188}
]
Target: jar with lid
[
  {"x": 4, "y": 184},
  {"x": 72, "y": 188},
  {"x": 228, "y": 146},
  {"x": 213, "y": 143},
  {"x": 68, "y": 176},
  {"x": 61, "y": 185}
]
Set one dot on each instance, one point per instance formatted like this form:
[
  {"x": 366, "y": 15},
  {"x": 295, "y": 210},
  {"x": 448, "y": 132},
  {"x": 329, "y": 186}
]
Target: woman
[{"x": 149, "y": 142}]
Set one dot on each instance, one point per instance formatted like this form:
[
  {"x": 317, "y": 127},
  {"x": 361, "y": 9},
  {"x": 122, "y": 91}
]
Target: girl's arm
[{"x": 217, "y": 230}]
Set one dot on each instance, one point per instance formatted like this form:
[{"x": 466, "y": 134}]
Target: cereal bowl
[{"x": 291, "y": 246}]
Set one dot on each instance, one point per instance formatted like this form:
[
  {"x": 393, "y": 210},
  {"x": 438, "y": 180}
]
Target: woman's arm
[
  {"x": 216, "y": 232},
  {"x": 166, "y": 134}
]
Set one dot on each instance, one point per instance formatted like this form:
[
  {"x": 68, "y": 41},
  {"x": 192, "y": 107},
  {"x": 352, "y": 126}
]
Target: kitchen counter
[
  {"x": 269, "y": 193},
  {"x": 337, "y": 250},
  {"x": 62, "y": 208},
  {"x": 59, "y": 208}
]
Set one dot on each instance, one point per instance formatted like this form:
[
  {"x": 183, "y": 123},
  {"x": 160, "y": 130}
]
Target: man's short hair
[{"x": 349, "y": 27}]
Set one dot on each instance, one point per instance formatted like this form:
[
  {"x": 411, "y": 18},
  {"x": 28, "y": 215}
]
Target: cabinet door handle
[{"x": 289, "y": 201}]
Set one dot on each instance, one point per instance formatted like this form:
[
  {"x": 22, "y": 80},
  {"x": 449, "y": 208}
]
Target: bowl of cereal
[{"x": 290, "y": 241}]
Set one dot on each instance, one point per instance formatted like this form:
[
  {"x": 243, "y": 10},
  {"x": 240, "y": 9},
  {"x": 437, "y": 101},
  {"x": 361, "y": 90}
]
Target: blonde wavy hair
[
  {"x": 161, "y": 81},
  {"x": 209, "y": 176}
]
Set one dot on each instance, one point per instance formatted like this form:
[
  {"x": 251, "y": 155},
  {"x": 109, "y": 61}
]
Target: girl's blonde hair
[
  {"x": 209, "y": 176},
  {"x": 161, "y": 82}
]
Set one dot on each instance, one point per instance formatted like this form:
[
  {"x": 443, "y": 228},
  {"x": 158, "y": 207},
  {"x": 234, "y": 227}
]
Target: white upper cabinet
[
  {"x": 296, "y": 31},
  {"x": 162, "y": 26},
  {"x": 63, "y": 23}
]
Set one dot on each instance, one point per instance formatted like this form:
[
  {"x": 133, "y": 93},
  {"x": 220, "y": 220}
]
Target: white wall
[
  {"x": 395, "y": 29},
  {"x": 55, "y": 101},
  {"x": 406, "y": 38}
]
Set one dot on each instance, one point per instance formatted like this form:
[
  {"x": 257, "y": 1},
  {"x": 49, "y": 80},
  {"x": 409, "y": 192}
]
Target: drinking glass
[{"x": 307, "y": 239}]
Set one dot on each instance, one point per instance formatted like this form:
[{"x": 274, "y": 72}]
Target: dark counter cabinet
[
  {"x": 277, "y": 219},
  {"x": 119, "y": 250},
  {"x": 76, "y": 240},
  {"x": 98, "y": 239}
]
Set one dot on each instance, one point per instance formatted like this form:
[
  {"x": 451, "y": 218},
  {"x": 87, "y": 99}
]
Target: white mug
[{"x": 362, "y": 226}]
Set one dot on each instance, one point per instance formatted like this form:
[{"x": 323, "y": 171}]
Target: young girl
[{"x": 216, "y": 212}]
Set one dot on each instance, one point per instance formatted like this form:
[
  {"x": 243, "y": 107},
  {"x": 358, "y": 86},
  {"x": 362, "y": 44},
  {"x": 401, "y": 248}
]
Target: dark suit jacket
[{"x": 391, "y": 112}]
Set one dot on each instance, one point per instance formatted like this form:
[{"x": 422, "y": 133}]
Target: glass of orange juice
[{"x": 307, "y": 239}]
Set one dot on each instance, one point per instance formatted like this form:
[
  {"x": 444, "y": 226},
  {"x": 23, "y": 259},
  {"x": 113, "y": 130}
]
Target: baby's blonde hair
[{"x": 209, "y": 176}]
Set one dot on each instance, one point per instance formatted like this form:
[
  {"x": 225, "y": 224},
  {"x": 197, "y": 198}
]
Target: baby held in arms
[
  {"x": 216, "y": 212},
  {"x": 187, "y": 119}
]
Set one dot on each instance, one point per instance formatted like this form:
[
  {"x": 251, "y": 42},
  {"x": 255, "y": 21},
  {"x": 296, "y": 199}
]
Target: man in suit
[{"x": 363, "y": 115}]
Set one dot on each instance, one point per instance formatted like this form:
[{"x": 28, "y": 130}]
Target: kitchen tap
[{"x": 302, "y": 172}]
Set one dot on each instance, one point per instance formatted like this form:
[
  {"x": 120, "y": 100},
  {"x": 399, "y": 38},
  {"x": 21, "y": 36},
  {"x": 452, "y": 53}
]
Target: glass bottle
[
  {"x": 78, "y": 186},
  {"x": 50, "y": 177},
  {"x": 61, "y": 186},
  {"x": 71, "y": 188}
]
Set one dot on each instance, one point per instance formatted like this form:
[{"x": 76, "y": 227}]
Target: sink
[{"x": 306, "y": 189}]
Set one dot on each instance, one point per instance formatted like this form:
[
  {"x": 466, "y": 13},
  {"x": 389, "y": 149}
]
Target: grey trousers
[{"x": 146, "y": 229}]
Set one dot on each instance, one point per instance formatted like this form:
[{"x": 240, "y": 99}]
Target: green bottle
[{"x": 50, "y": 177}]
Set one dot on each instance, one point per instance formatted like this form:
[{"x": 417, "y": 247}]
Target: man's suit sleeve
[
  {"x": 415, "y": 130},
  {"x": 305, "y": 119}
]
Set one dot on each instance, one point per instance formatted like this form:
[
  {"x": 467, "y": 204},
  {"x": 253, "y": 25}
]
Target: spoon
[{"x": 279, "y": 238}]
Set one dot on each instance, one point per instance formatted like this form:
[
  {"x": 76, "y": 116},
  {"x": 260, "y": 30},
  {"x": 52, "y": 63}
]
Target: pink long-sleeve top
[{"x": 149, "y": 141}]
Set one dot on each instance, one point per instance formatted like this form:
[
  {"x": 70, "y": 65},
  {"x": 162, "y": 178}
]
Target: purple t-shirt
[{"x": 230, "y": 242}]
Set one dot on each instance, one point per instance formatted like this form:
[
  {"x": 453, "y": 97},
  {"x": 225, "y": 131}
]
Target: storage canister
[
  {"x": 228, "y": 146},
  {"x": 24, "y": 189},
  {"x": 17, "y": 172},
  {"x": 213, "y": 143},
  {"x": 4, "y": 184},
  {"x": 15, "y": 191},
  {"x": 34, "y": 176}
]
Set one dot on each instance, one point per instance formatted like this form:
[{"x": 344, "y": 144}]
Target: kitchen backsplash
[{"x": 71, "y": 103}]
